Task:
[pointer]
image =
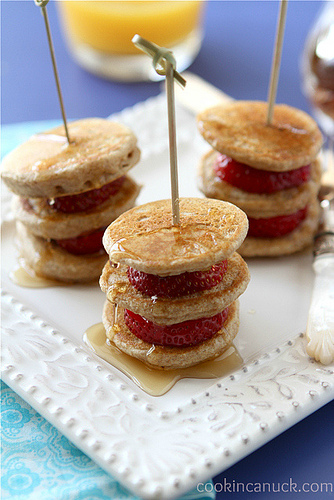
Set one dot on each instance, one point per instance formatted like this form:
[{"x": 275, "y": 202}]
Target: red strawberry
[
  {"x": 87, "y": 243},
  {"x": 87, "y": 200},
  {"x": 254, "y": 180},
  {"x": 274, "y": 227},
  {"x": 178, "y": 285},
  {"x": 183, "y": 334}
]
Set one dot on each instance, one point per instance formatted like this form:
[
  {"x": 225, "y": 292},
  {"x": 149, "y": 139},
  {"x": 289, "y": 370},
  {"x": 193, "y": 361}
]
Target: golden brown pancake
[
  {"x": 293, "y": 242},
  {"x": 239, "y": 130},
  {"x": 163, "y": 310},
  {"x": 145, "y": 238},
  {"x": 168, "y": 358},
  {"x": 43, "y": 221},
  {"x": 47, "y": 166},
  {"x": 282, "y": 202},
  {"x": 48, "y": 260}
]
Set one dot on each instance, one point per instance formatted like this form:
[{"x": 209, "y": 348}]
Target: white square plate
[{"x": 160, "y": 447}]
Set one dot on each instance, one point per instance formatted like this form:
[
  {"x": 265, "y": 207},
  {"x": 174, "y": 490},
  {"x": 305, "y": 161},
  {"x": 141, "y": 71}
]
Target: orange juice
[{"x": 107, "y": 27}]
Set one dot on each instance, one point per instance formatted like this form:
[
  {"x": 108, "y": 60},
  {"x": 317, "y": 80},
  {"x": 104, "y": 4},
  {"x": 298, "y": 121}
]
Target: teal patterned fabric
[{"x": 38, "y": 462}]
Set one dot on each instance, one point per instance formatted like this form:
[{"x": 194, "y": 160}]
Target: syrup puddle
[
  {"x": 20, "y": 276},
  {"x": 153, "y": 381}
]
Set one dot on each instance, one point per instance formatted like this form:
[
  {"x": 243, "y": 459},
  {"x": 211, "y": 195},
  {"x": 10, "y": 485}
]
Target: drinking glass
[
  {"x": 318, "y": 69},
  {"x": 99, "y": 34}
]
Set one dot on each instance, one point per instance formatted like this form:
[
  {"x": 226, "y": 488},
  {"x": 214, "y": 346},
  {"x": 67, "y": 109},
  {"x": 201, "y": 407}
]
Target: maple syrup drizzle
[
  {"x": 151, "y": 380},
  {"x": 50, "y": 138},
  {"x": 172, "y": 243},
  {"x": 27, "y": 279}
]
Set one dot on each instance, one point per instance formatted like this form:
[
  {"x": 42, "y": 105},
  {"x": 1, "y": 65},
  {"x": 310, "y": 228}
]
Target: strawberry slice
[
  {"x": 187, "y": 333},
  {"x": 87, "y": 243},
  {"x": 274, "y": 227},
  {"x": 258, "y": 181},
  {"x": 178, "y": 285},
  {"x": 87, "y": 200}
]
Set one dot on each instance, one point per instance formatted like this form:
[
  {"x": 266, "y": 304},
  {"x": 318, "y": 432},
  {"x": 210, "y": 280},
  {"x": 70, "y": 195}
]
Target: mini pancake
[
  {"x": 239, "y": 130},
  {"x": 48, "y": 260},
  {"x": 293, "y": 242},
  {"x": 47, "y": 166},
  {"x": 145, "y": 238},
  {"x": 42, "y": 220},
  {"x": 169, "y": 358},
  {"x": 163, "y": 310},
  {"x": 281, "y": 202}
]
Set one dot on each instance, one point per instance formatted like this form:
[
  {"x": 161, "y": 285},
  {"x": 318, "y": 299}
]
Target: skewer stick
[
  {"x": 172, "y": 143},
  {"x": 164, "y": 64},
  {"x": 42, "y": 4},
  {"x": 276, "y": 60}
]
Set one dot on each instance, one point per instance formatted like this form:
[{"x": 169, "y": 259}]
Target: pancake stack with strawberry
[
  {"x": 66, "y": 194},
  {"x": 269, "y": 171},
  {"x": 172, "y": 289}
]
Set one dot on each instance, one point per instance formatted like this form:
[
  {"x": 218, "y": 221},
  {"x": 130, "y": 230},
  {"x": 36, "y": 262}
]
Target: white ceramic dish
[{"x": 160, "y": 447}]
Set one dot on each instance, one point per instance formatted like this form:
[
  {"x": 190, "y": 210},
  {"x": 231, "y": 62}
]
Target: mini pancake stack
[
  {"x": 172, "y": 289},
  {"x": 269, "y": 171},
  {"x": 67, "y": 194}
]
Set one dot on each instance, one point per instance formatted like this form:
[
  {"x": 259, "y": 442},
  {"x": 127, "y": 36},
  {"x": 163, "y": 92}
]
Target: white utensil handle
[{"x": 320, "y": 325}]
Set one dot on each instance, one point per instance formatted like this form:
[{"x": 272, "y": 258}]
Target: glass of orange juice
[{"x": 99, "y": 34}]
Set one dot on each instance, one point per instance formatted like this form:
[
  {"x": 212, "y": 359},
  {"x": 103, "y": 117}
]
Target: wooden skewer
[
  {"x": 172, "y": 143},
  {"x": 42, "y": 4},
  {"x": 164, "y": 64},
  {"x": 276, "y": 60}
]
